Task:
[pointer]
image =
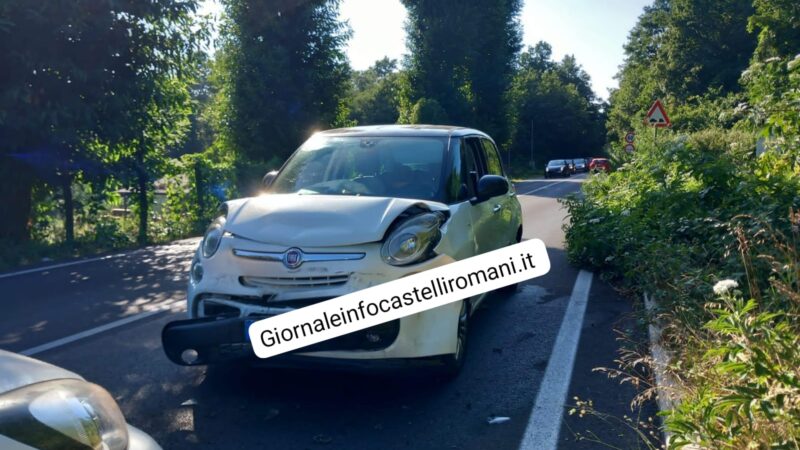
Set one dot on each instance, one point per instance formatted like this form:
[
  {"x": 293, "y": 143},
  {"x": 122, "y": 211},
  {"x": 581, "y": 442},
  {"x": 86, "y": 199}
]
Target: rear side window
[{"x": 493, "y": 164}]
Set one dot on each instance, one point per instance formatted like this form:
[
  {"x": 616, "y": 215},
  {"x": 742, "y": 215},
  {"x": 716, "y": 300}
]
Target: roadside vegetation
[
  {"x": 119, "y": 128},
  {"x": 706, "y": 219}
]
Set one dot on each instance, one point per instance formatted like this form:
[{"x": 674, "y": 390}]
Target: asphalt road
[{"x": 102, "y": 318}]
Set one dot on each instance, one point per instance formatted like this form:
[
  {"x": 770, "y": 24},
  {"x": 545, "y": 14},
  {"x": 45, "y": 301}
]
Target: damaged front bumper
[
  {"x": 211, "y": 340},
  {"x": 235, "y": 291}
]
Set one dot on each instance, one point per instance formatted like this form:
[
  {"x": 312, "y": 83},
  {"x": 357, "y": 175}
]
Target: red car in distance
[{"x": 598, "y": 164}]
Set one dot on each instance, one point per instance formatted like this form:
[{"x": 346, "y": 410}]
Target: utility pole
[{"x": 533, "y": 166}]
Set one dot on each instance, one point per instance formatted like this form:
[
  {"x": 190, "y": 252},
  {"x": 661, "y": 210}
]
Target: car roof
[{"x": 404, "y": 130}]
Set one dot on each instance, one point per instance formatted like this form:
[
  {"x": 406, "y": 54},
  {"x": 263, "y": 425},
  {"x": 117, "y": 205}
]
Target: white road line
[
  {"x": 544, "y": 424},
  {"x": 66, "y": 264},
  {"x": 551, "y": 185},
  {"x": 97, "y": 330},
  {"x": 87, "y": 260},
  {"x": 543, "y": 187}
]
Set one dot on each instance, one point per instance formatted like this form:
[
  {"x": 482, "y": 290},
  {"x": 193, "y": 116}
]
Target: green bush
[
  {"x": 675, "y": 219},
  {"x": 196, "y": 186}
]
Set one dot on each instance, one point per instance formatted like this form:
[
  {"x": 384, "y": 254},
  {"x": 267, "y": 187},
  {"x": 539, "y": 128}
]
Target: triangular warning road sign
[{"x": 656, "y": 116}]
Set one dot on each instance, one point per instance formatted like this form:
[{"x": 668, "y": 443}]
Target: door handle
[{"x": 497, "y": 208}]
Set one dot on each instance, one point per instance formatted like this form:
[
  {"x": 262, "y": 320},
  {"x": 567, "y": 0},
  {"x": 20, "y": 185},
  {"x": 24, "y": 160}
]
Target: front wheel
[{"x": 453, "y": 363}]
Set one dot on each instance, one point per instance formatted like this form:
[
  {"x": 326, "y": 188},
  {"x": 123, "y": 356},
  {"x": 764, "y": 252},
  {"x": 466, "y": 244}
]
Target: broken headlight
[
  {"x": 63, "y": 413},
  {"x": 412, "y": 240}
]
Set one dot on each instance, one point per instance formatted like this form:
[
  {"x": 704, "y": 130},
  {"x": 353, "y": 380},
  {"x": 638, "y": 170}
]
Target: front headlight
[
  {"x": 412, "y": 240},
  {"x": 213, "y": 237},
  {"x": 63, "y": 414}
]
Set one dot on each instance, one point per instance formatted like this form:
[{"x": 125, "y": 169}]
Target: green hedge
[{"x": 675, "y": 220}]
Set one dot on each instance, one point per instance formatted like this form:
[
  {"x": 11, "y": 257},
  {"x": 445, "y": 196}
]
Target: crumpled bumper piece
[{"x": 213, "y": 339}]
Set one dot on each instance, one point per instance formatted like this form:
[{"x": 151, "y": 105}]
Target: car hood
[
  {"x": 17, "y": 371},
  {"x": 296, "y": 220}
]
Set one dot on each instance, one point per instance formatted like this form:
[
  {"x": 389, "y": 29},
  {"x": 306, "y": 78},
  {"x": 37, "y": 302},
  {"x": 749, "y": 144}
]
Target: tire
[{"x": 452, "y": 364}]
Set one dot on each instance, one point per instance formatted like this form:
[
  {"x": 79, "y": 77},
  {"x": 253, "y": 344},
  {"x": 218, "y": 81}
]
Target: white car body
[
  {"x": 340, "y": 239},
  {"x": 18, "y": 372}
]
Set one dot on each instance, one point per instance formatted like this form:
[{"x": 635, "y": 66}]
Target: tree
[
  {"x": 286, "y": 73},
  {"x": 553, "y": 104},
  {"x": 684, "y": 51},
  {"x": 778, "y": 25},
  {"x": 151, "y": 107},
  {"x": 374, "y": 98},
  {"x": 706, "y": 46},
  {"x": 462, "y": 56},
  {"x": 638, "y": 82},
  {"x": 73, "y": 75},
  {"x": 773, "y": 78}
]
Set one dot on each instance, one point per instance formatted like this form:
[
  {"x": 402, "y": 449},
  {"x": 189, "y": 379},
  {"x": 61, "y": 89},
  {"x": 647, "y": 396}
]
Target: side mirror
[
  {"x": 491, "y": 186},
  {"x": 269, "y": 178}
]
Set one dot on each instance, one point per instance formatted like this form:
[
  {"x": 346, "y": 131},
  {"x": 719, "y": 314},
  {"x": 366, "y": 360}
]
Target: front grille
[
  {"x": 212, "y": 307},
  {"x": 295, "y": 282}
]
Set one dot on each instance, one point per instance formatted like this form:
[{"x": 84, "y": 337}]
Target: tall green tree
[
  {"x": 681, "y": 51},
  {"x": 74, "y": 75},
  {"x": 462, "y": 56},
  {"x": 155, "y": 102},
  {"x": 705, "y": 46},
  {"x": 555, "y": 112},
  {"x": 375, "y": 91},
  {"x": 285, "y": 73}
]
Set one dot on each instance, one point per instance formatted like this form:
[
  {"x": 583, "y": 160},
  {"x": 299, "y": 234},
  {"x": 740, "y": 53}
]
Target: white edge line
[
  {"x": 544, "y": 424},
  {"x": 543, "y": 187},
  {"x": 87, "y": 260},
  {"x": 97, "y": 330},
  {"x": 66, "y": 264},
  {"x": 549, "y": 185}
]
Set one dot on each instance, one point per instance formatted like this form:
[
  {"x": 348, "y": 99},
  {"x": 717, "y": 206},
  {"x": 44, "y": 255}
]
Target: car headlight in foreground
[
  {"x": 413, "y": 240},
  {"x": 64, "y": 413},
  {"x": 213, "y": 237}
]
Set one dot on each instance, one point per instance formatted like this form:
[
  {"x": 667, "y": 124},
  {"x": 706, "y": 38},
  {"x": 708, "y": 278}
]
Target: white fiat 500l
[{"x": 351, "y": 208}]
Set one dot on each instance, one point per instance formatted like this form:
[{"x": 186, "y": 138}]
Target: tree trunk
[
  {"x": 16, "y": 187},
  {"x": 142, "y": 194},
  {"x": 199, "y": 186},
  {"x": 69, "y": 209}
]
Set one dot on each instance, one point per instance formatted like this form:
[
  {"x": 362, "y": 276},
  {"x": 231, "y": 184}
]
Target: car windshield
[
  {"x": 556, "y": 162},
  {"x": 407, "y": 167}
]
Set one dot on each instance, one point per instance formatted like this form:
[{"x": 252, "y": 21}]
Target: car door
[
  {"x": 503, "y": 221},
  {"x": 480, "y": 213}
]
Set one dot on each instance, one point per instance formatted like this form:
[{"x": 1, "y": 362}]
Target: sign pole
[
  {"x": 533, "y": 166},
  {"x": 657, "y": 118}
]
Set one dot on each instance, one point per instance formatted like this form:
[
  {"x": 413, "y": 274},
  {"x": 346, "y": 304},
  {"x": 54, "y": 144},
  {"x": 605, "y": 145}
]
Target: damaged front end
[{"x": 245, "y": 280}]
